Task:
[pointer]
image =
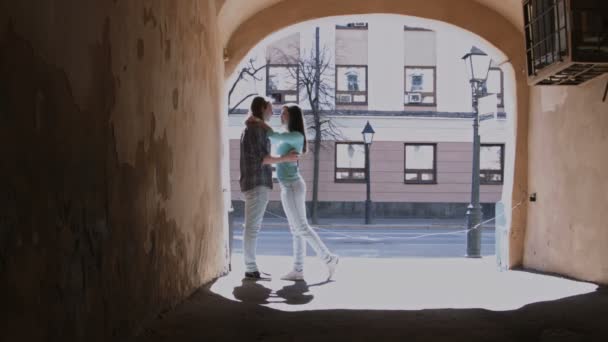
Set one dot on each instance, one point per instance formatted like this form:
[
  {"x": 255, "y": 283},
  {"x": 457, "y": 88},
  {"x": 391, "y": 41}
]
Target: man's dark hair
[{"x": 257, "y": 107}]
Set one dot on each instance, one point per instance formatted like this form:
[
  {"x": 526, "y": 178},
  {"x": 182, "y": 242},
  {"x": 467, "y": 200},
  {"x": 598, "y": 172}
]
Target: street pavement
[{"x": 418, "y": 238}]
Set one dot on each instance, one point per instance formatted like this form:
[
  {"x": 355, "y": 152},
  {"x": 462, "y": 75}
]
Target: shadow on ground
[
  {"x": 207, "y": 316},
  {"x": 252, "y": 292}
]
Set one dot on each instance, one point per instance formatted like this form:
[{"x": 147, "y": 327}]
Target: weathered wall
[
  {"x": 110, "y": 169},
  {"x": 567, "y": 225}
]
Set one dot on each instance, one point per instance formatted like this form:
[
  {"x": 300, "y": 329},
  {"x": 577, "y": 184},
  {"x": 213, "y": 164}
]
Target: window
[
  {"x": 546, "y": 33},
  {"x": 590, "y": 30},
  {"x": 495, "y": 85},
  {"x": 353, "y": 81},
  {"x": 282, "y": 83},
  {"x": 420, "y": 164},
  {"x": 420, "y": 86},
  {"x": 351, "y": 84},
  {"x": 565, "y": 40},
  {"x": 350, "y": 162},
  {"x": 491, "y": 164}
]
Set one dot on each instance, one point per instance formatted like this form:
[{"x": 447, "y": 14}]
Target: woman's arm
[
  {"x": 288, "y": 137},
  {"x": 290, "y": 157}
]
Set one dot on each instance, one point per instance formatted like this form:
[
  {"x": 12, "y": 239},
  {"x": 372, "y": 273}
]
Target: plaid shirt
[{"x": 254, "y": 147}]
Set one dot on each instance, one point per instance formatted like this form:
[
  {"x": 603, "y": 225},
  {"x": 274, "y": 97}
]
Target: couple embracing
[{"x": 256, "y": 184}]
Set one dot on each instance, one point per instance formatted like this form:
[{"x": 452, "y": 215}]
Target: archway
[{"x": 472, "y": 16}]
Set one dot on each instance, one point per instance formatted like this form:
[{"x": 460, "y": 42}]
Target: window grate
[
  {"x": 546, "y": 31},
  {"x": 566, "y": 40}
]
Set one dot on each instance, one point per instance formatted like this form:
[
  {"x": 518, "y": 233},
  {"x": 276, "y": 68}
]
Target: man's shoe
[
  {"x": 256, "y": 275},
  {"x": 331, "y": 266},
  {"x": 293, "y": 276}
]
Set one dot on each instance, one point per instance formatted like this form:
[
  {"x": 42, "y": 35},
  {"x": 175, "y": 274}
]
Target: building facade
[{"x": 412, "y": 88}]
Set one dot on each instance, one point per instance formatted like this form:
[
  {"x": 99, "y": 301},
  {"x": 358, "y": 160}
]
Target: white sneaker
[
  {"x": 293, "y": 276},
  {"x": 332, "y": 264}
]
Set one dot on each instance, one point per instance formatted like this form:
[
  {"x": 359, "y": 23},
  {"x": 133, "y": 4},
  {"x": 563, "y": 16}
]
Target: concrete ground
[{"x": 389, "y": 300}]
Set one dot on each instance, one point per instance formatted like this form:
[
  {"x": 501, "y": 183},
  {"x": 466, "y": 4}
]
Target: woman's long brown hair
[{"x": 295, "y": 123}]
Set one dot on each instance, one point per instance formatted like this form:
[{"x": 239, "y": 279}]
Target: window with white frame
[
  {"x": 420, "y": 86},
  {"x": 491, "y": 164},
  {"x": 351, "y": 84},
  {"x": 420, "y": 163},
  {"x": 495, "y": 85},
  {"x": 350, "y": 162},
  {"x": 282, "y": 83}
]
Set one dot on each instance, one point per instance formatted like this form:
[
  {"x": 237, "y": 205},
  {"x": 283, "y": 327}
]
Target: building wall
[
  {"x": 454, "y": 162},
  {"x": 111, "y": 201},
  {"x": 283, "y": 51},
  {"x": 385, "y": 48},
  {"x": 497, "y": 29},
  {"x": 567, "y": 230},
  {"x": 419, "y": 48},
  {"x": 351, "y": 46}
]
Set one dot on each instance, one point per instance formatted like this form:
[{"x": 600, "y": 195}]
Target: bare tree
[
  {"x": 315, "y": 77},
  {"x": 312, "y": 74},
  {"x": 248, "y": 73}
]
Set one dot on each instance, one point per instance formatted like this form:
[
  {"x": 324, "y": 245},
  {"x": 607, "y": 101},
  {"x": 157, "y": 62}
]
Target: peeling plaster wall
[
  {"x": 568, "y": 224},
  {"x": 111, "y": 206}
]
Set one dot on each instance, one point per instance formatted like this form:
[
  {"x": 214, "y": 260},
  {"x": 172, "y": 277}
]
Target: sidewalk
[{"x": 359, "y": 223}]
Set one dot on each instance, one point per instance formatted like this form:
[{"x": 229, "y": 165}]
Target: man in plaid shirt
[{"x": 256, "y": 179}]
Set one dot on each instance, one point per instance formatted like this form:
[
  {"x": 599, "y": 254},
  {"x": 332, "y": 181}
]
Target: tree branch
[
  {"x": 231, "y": 110},
  {"x": 248, "y": 71}
]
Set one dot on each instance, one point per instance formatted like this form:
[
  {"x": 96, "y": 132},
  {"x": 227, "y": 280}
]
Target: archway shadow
[{"x": 209, "y": 316}]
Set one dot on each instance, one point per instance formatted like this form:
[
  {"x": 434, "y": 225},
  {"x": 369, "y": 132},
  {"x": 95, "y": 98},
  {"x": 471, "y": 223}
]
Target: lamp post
[
  {"x": 368, "y": 138},
  {"x": 477, "y": 66}
]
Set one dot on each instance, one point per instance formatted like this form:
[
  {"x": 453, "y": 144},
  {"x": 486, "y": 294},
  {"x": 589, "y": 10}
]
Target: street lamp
[
  {"x": 477, "y": 65},
  {"x": 368, "y": 138}
]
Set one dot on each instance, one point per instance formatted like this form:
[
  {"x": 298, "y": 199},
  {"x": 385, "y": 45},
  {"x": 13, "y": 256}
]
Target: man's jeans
[
  {"x": 256, "y": 201},
  {"x": 293, "y": 197}
]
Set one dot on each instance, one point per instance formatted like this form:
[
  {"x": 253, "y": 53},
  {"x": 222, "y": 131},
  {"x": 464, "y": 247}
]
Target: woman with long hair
[{"x": 293, "y": 193}]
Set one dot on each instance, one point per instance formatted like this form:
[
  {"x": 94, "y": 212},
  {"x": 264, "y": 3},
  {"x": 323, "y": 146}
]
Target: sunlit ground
[{"x": 396, "y": 284}]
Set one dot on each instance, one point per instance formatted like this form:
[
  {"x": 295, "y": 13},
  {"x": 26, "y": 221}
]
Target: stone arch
[{"x": 472, "y": 16}]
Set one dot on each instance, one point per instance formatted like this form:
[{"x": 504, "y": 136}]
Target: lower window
[
  {"x": 350, "y": 162},
  {"x": 491, "y": 170},
  {"x": 420, "y": 163}
]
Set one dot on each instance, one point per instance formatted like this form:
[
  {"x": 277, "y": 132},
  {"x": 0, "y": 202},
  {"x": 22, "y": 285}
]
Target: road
[{"x": 373, "y": 242}]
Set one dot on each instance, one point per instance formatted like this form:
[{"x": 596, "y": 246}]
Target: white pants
[
  {"x": 293, "y": 197},
  {"x": 256, "y": 201}
]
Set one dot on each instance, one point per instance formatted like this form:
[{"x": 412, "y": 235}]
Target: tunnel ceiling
[{"x": 235, "y": 12}]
